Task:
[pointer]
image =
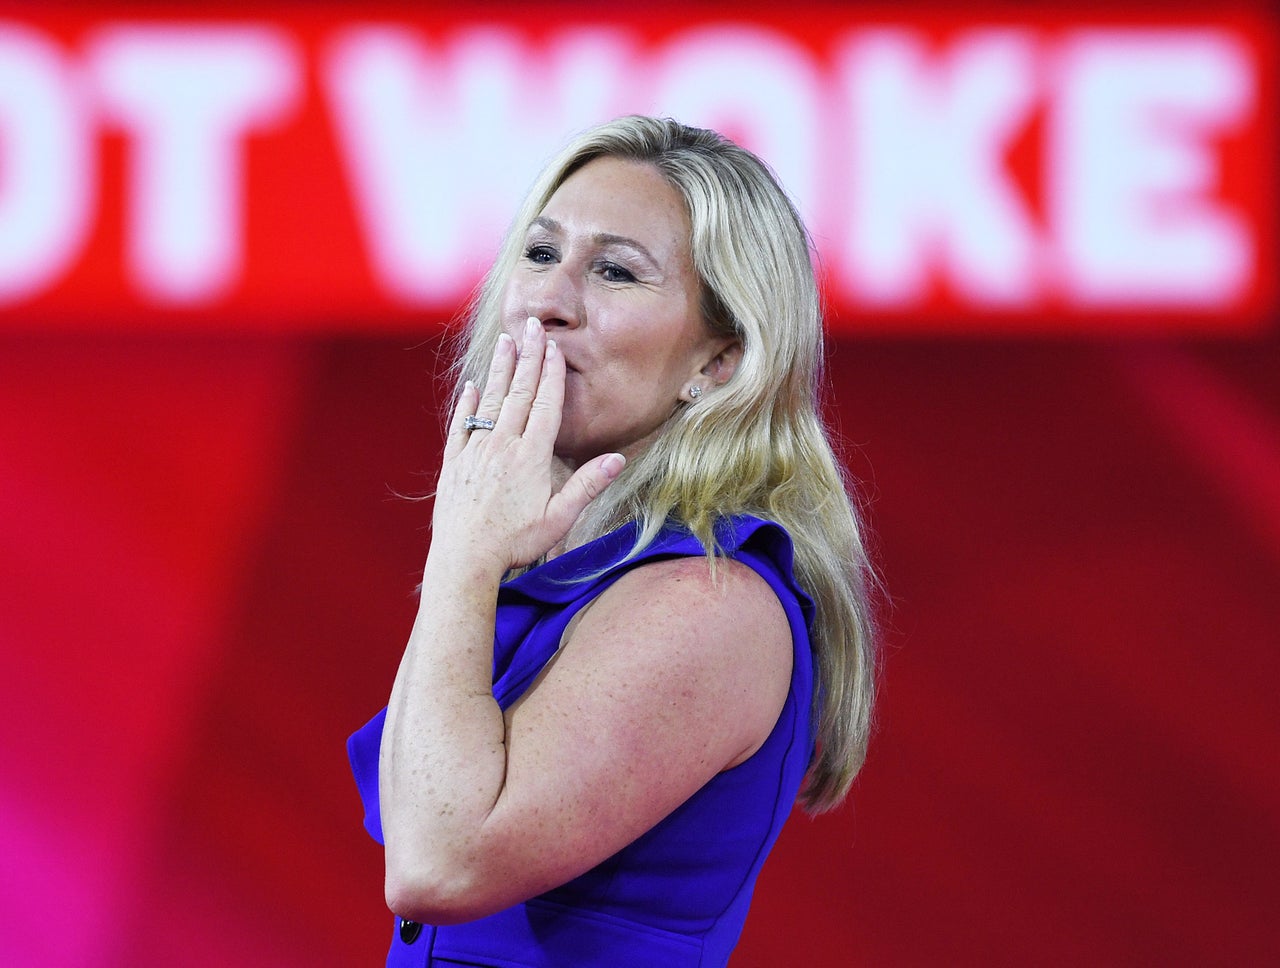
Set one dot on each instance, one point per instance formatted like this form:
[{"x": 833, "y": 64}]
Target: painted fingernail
[{"x": 532, "y": 325}]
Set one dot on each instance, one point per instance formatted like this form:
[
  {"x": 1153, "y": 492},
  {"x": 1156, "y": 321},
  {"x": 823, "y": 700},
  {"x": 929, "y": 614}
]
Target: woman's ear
[{"x": 724, "y": 363}]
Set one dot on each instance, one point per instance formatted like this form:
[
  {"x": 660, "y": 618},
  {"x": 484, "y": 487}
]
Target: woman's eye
[
  {"x": 540, "y": 253},
  {"x": 613, "y": 272}
]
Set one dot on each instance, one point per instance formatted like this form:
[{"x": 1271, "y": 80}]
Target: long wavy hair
[{"x": 757, "y": 445}]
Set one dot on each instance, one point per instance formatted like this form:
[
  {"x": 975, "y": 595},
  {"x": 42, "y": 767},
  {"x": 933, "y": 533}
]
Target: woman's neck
[{"x": 561, "y": 470}]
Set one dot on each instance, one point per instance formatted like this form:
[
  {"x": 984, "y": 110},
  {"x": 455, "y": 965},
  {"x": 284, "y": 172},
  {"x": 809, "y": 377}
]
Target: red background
[
  {"x": 307, "y": 264},
  {"x": 205, "y": 583}
]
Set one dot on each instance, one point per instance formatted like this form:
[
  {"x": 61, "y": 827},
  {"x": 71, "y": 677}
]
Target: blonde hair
[{"x": 757, "y": 445}]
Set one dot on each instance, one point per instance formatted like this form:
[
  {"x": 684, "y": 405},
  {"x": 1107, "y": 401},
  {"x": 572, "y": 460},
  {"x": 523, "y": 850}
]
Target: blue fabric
[{"x": 678, "y": 895}]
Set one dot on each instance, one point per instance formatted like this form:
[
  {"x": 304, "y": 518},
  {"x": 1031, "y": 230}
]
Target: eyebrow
[{"x": 600, "y": 238}]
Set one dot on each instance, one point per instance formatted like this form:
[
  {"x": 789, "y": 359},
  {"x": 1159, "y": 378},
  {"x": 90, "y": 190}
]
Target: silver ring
[{"x": 477, "y": 423}]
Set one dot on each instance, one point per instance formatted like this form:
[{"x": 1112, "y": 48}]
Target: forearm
[{"x": 443, "y": 757}]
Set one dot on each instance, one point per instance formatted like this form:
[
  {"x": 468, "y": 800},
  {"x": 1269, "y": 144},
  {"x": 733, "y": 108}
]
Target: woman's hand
[{"x": 497, "y": 495}]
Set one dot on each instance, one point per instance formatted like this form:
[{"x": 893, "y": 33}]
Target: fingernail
[
  {"x": 612, "y": 465},
  {"x": 504, "y": 338},
  {"x": 551, "y": 348},
  {"x": 532, "y": 325}
]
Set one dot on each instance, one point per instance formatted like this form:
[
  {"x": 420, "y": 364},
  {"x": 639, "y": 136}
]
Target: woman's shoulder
[
  {"x": 762, "y": 545},
  {"x": 735, "y": 537},
  {"x": 746, "y": 582},
  {"x": 714, "y": 641}
]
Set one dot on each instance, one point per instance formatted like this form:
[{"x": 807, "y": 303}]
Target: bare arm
[{"x": 666, "y": 680}]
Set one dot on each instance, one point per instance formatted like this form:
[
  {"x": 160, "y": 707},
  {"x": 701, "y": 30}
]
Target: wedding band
[{"x": 477, "y": 423}]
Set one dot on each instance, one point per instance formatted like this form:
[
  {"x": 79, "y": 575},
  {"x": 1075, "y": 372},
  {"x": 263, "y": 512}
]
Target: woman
[{"x": 644, "y": 624}]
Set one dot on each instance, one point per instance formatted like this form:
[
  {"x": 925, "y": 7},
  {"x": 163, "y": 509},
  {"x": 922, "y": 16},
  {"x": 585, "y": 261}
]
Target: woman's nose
[{"x": 555, "y": 298}]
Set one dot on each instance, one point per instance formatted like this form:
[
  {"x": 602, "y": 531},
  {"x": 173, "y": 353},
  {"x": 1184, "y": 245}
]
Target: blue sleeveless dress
[{"x": 677, "y": 896}]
